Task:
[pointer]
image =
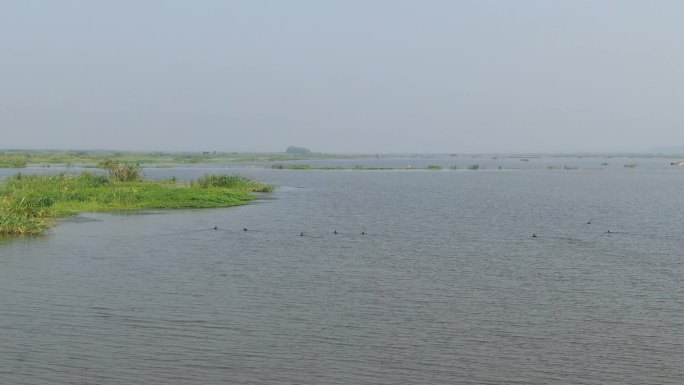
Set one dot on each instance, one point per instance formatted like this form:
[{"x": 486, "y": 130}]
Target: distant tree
[
  {"x": 122, "y": 171},
  {"x": 297, "y": 150}
]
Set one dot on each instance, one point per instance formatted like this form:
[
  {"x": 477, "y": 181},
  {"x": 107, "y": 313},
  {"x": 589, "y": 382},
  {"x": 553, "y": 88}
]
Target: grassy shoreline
[{"x": 31, "y": 204}]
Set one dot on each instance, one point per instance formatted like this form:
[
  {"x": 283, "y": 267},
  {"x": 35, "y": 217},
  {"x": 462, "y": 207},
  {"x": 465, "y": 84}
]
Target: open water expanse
[{"x": 446, "y": 286}]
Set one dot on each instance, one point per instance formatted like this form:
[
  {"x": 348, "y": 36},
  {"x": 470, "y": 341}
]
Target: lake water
[{"x": 446, "y": 286}]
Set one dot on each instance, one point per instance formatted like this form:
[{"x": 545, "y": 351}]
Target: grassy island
[{"x": 30, "y": 204}]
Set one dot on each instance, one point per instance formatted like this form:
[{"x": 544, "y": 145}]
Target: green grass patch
[
  {"x": 30, "y": 204},
  {"x": 24, "y": 215},
  {"x": 233, "y": 182}
]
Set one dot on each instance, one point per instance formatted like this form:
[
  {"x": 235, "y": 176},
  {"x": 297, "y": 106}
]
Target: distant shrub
[
  {"x": 434, "y": 167},
  {"x": 122, "y": 171},
  {"x": 475, "y": 167},
  {"x": 630, "y": 165}
]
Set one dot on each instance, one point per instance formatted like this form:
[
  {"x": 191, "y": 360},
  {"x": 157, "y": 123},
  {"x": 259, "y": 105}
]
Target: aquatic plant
[
  {"x": 434, "y": 167},
  {"x": 630, "y": 165},
  {"x": 475, "y": 167}
]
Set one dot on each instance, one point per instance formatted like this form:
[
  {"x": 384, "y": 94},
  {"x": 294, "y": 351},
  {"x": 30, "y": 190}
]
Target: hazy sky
[{"x": 342, "y": 76}]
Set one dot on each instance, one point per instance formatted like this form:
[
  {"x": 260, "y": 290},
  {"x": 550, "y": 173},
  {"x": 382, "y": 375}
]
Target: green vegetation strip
[
  {"x": 22, "y": 158},
  {"x": 30, "y": 204},
  {"x": 310, "y": 167}
]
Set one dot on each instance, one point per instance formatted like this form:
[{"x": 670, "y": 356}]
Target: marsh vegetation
[
  {"x": 30, "y": 204},
  {"x": 92, "y": 158},
  {"x": 310, "y": 167}
]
